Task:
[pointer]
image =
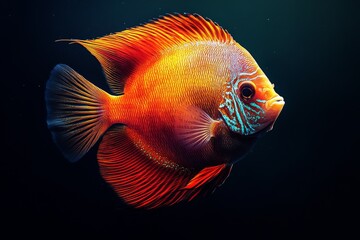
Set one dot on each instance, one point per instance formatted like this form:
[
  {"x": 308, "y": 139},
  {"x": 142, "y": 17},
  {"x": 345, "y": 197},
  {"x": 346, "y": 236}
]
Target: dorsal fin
[{"x": 121, "y": 53}]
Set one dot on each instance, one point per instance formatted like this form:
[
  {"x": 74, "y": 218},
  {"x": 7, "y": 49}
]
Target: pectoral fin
[{"x": 194, "y": 127}]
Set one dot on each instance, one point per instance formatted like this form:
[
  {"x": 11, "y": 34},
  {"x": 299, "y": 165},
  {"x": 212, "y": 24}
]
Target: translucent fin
[
  {"x": 194, "y": 127},
  {"x": 75, "y": 111}
]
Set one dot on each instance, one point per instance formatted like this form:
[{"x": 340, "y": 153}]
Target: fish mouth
[
  {"x": 274, "y": 105},
  {"x": 276, "y": 101}
]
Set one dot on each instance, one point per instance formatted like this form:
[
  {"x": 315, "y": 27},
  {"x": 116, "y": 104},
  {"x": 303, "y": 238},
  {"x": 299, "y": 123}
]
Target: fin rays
[
  {"x": 121, "y": 53},
  {"x": 144, "y": 183},
  {"x": 75, "y": 112}
]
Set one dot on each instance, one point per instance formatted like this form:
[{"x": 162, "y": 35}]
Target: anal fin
[
  {"x": 137, "y": 179},
  {"x": 145, "y": 183}
]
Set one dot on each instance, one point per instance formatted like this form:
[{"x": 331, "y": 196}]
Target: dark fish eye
[{"x": 247, "y": 91}]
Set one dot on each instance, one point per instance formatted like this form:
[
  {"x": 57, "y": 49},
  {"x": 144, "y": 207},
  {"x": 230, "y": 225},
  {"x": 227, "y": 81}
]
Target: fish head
[{"x": 250, "y": 103}]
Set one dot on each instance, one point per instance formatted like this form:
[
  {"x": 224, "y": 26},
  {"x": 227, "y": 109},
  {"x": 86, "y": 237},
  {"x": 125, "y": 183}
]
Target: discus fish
[{"x": 186, "y": 103}]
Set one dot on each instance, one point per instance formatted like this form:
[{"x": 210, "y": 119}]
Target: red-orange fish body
[
  {"x": 162, "y": 102},
  {"x": 188, "y": 102}
]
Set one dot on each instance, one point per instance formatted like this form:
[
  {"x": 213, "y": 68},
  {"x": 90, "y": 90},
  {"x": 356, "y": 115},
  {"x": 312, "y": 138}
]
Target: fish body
[
  {"x": 187, "y": 103},
  {"x": 162, "y": 98}
]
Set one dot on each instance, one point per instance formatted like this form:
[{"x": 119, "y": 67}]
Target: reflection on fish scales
[{"x": 186, "y": 103}]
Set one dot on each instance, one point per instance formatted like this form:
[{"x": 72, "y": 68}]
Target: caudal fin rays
[{"x": 75, "y": 111}]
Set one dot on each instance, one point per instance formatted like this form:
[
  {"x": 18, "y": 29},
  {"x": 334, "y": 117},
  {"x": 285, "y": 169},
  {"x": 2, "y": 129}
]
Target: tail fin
[{"x": 76, "y": 115}]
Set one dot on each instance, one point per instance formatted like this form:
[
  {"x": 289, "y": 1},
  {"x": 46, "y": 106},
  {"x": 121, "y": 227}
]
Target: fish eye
[{"x": 247, "y": 91}]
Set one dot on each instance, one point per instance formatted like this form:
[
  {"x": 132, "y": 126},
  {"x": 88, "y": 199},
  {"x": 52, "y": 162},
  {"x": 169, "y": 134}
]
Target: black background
[{"x": 299, "y": 181}]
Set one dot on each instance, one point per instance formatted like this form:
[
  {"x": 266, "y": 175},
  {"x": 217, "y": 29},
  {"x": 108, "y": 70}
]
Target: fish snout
[
  {"x": 273, "y": 107},
  {"x": 275, "y": 102}
]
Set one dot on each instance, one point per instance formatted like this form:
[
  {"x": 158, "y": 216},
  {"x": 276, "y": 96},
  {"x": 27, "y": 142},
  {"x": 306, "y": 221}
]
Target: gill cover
[{"x": 247, "y": 110}]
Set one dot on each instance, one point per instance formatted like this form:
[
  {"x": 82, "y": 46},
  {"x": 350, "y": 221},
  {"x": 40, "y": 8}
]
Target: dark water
[{"x": 298, "y": 181}]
